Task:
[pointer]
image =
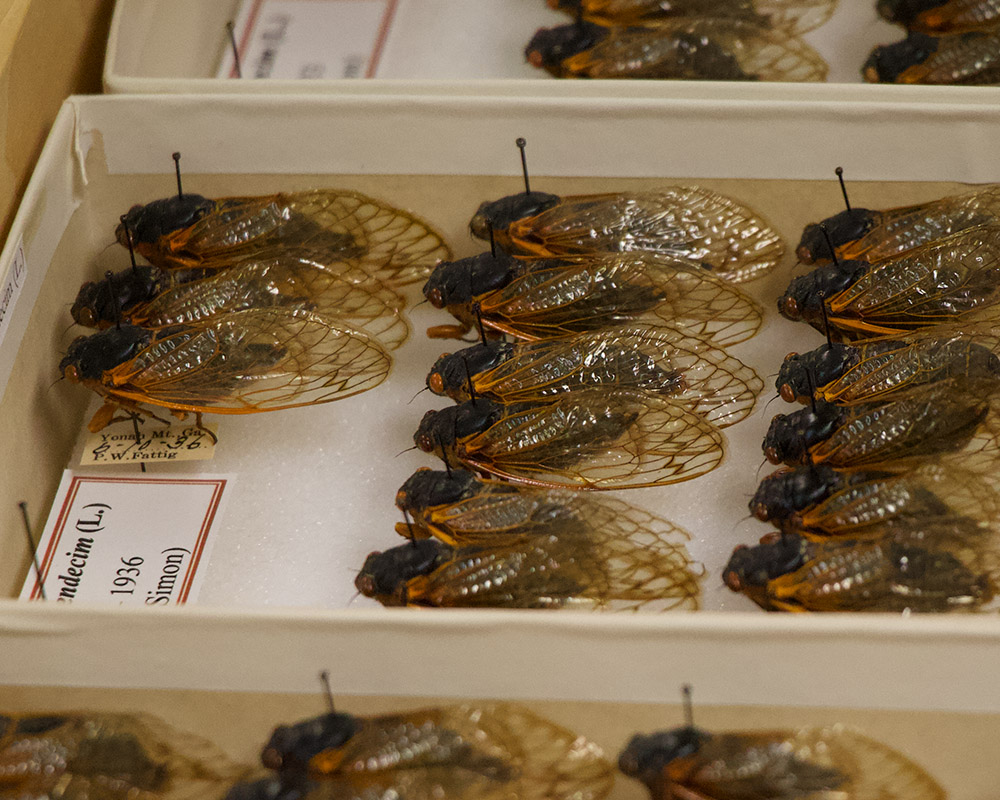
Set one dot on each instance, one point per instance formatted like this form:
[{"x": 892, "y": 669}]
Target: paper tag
[
  {"x": 12, "y": 287},
  {"x": 127, "y": 541},
  {"x": 309, "y": 38},
  {"x": 163, "y": 443}
]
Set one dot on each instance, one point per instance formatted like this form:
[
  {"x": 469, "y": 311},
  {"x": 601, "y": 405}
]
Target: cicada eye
[
  {"x": 787, "y": 393},
  {"x": 425, "y": 443},
  {"x": 790, "y": 307},
  {"x": 759, "y": 510},
  {"x": 732, "y": 580},
  {"x": 365, "y": 584},
  {"x": 435, "y": 298},
  {"x": 87, "y": 317},
  {"x": 791, "y": 355},
  {"x": 771, "y": 454},
  {"x": 402, "y": 500},
  {"x": 770, "y": 538},
  {"x": 435, "y": 382},
  {"x": 71, "y": 373}
]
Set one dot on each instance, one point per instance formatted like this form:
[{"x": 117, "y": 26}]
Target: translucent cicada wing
[
  {"x": 607, "y": 291},
  {"x": 699, "y": 49},
  {"x": 248, "y": 361},
  {"x": 714, "y": 232},
  {"x": 597, "y": 439},
  {"x": 335, "y": 290}
]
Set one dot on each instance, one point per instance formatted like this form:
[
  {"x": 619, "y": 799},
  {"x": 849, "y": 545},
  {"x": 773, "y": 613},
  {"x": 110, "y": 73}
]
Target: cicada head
[
  {"x": 787, "y": 492},
  {"x": 790, "y": 436},
  {"x": 442, "y": 429},
  {"x": 451, "y": 373},
  {"x": 800, "y": 375},
  {"x": 277, "y": 788},
  {"x": 753, "y": 567},
  {"x": 89, "y": 357},
  {"x": 99, "y": 304},
  {"x": 804, "y": 296},
  {"x": 427, "y": 488},
  {"x": 646, "y": 757},
  {"x": 842, "y": 228},
  {"x": 888, "y": 62},
  {"x": 549, "y": 47},
  {"x": 292, "y": 747},
  {"x": 904, "y": 11},
  {"x": 460, "y": 282},
  {"x": 384, "y": 575},
  {"x": 500, "y": 214},
  {"x": 161, "y": 217}
]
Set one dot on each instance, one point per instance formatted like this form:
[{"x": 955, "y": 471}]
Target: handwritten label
[
  {"x": 117, "y": 446},
  {"x": 309, "y": 38},
  {"x": 127, "y": 541},
  {"x": 12, "y": 287}
]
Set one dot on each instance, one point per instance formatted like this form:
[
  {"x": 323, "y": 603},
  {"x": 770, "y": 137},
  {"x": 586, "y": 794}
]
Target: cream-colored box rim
[
  {"x": 467, "y": 47},
  {"x": 947, "y": 663}
]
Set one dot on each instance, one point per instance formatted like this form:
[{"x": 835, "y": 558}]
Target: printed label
[
  {"x": 12, "y": 288},
  {"x": 293, "y": 39},
  {"x": 119, "y": 446},
  {"x": 127, "y": 541}
]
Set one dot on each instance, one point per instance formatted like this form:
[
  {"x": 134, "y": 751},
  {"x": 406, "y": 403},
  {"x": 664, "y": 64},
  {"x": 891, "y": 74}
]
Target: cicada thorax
[
  {"x": 917, "y": 426},
  {"x": 591, "y": 439},
  {"x": 107, "y": 756},
  {"x": 656, "y": 359},
  {"x": 584, "y": 294},
  {"x": 811, "y": 762},
  {"x": 491, "y": 751},
  {"x": 337, "y": 290},
  {"x": 702, "y": 227},
  {"x": 912, "y": 565}
]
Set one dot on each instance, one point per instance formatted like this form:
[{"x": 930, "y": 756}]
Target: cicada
[
  {"x": 923, "y": 566},
  {"x": 943, "y": 417},
  {"x": 587, "y": 294},
  {"x": 190, "y": 231},
  {"x": 694, "y": 48},
  {"x": 236, "y": 363},
  {"x": 790, "y": 16},
  {"x": 834, "y": 762},
  {"x": 338, "y": 291},
  {"x": 882, "y": 368},
  {"x": 711, "y": 231},
  {"x": 955, "y": 279},
  {"x": 76, "y": 756},
  {"x": 862, "y": 233},
  {"x": 825, "y": 501},
  {"x": 494, "y": 751},
  {"x": 971, "y": 58},
  {"x": 499, "y": 545},
  {"x": 594, "y": 439},
  {"x": 941, "y": 16},
  {"x": 655, "y": 359}
]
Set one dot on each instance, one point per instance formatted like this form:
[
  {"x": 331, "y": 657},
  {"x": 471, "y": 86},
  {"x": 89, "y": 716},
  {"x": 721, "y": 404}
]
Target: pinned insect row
[
  {"x": 892, "y": 500},
  {"x": 691, "y": 40},
  {"x": 585, "y": 399},
  {"x": 249, "y": 304},
  {"x": 947, "y": 42}
]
